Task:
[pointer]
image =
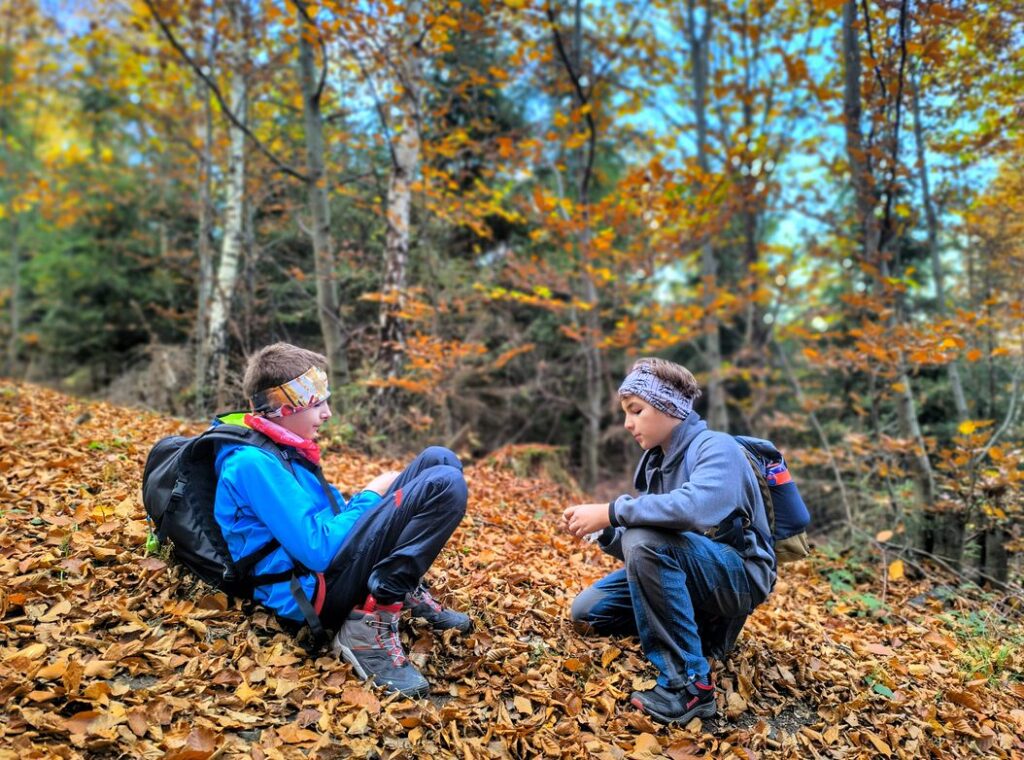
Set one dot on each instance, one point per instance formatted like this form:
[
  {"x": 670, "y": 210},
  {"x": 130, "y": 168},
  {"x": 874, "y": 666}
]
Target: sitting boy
[
  {"x": 695, "y": 541},
  {"x": 354, "y": 565}
]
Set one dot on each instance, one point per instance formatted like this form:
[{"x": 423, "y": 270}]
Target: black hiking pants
[{"x": 392, "y": 545}]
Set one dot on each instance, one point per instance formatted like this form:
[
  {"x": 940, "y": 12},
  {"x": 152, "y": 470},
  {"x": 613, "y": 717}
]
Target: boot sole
[
  {"x": 707, "y": 710},
  {"x": 362, "y": 674}
]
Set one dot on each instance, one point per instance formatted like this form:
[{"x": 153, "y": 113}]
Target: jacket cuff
[{"x": 611, "y": 515}]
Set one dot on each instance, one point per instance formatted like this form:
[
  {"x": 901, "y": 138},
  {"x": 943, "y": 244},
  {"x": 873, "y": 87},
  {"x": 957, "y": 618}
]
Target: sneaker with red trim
[
  {"x": 421, "y": 604},
  {"x": 368, "y": 641},
  {"x": 695, "y": 700}
]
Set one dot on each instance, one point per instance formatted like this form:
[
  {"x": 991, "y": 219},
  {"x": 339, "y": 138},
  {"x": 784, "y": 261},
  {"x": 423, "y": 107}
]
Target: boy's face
[
  {"x": 649, "y": 426},
  {"x": 306, "y": 423}
]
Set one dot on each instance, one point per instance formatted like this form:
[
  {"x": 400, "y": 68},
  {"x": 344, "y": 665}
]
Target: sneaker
[
  {"x": 681, "y": 706},
  {"x": 421, "y": 604},
  {"x": 368, "y": 641}
]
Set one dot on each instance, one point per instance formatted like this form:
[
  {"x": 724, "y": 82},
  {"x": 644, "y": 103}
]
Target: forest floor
[{"x": 108, "y": 652}]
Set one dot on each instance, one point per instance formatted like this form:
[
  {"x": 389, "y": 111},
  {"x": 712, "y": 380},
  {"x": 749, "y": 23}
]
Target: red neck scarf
[{"x": 285, "y": 437}]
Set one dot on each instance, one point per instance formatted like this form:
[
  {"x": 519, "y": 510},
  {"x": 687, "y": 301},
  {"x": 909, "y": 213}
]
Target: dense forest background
[{"x": 483, "y": 212}]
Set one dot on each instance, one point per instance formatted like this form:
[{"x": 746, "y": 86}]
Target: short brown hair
[
  {"x": 676, "y": 375},
  {"x": 276, "y": 364}
]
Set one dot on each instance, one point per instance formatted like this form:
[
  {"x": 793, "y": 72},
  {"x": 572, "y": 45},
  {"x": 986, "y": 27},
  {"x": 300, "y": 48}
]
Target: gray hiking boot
[
  {"x": 369, "y": 642},
  {"x": 421, "y": 604}
]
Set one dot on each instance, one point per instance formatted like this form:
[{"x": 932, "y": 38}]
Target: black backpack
[{"x": 179, "y": 484}]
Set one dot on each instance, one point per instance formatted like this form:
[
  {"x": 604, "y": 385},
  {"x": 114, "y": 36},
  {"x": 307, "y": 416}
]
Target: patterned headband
[
  {"x": 644, "y": 384},
  {"x": 308, "y": 389}
]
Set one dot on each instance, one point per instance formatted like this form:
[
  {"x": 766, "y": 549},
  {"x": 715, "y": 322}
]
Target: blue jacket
[
  {"x": 258, "y": 499},
  {"x": 701, "y": 482}
]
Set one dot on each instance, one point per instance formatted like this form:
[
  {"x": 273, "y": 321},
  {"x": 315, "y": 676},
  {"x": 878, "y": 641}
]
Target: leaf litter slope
[{"x": 105, "y": 651}]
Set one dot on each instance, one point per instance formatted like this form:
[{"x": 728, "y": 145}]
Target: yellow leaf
[
  {"x": 247, "y": 694},
  {"x": 609, "y": 655},
  {"x": 995, "y": 454},
  {"x": 967, "y": 427},
  {"x": 896, "y": 570},
  {"x": 899, "y": 387}
]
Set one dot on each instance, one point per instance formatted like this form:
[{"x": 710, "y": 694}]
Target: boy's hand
[
  {"x": 582, "y": 519},
  {"x": 380, "y": 484}
]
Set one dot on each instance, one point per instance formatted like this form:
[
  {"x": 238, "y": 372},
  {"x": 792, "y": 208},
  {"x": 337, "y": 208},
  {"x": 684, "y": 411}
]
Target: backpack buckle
[{"x": 179, "y": 489}]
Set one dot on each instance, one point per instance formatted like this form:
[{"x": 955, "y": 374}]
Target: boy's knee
[
  {"x": 580, "y": 610},
  {"x": 434, "y": 456},
  {"x": 639, "y": 544},
  {"x": 451, "y": 481}
]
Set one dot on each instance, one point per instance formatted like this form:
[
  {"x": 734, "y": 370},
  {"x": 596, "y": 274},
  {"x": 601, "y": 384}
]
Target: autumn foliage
[{"x": 108, "y": 650}]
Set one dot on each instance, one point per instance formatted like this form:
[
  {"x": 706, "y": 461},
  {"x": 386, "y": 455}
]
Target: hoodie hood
[{"x": 682, "y": 436}]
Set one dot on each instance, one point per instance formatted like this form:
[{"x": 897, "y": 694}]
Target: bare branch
[{"x": 215, "y": 90}]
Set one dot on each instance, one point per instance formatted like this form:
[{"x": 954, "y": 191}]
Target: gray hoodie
[{"x": 702, "y": 491}]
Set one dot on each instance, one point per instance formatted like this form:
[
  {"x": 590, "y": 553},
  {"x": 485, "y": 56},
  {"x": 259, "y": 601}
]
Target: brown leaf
[
  {"x": 80, "y": 722},
  {"x": 966, "y": 699},
  {"x": 647, "y": 745},
  {"x": 735, "y": 705},
  {"x": 880, "y": 745},
  {"x": 356, "y": 695},
  {"x": 292, "y": 734},
  {"x": 684, "y": 751},
  {"x": 56, "y": 612},
  {"x": 137, "y": 721},
  {"x": 73, "y": 676},
  {"x": 879, "y": 649},
  {"x": 200, "y": 745}
]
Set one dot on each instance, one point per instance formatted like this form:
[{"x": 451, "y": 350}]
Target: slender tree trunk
[
  {"x": 932, "y": 221},
  {"x": 406, "y": 155},
  {"x": 700, "y": 59},
  {"x": 327, "y": 300},
  {"x": 234, "y": 221},
  {"x": 14, "y": 304},
  {"x": 864, "y": 187},
  {"x": 205, "y": 255}
]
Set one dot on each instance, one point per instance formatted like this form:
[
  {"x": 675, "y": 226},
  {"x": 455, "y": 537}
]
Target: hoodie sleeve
[
  {"x": 715, "y": 489},
  {"x": 309, "y": 532}
]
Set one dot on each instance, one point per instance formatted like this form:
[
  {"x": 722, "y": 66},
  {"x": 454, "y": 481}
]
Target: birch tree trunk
[
  {"x": 226, "y": 278},
  {"x": 700, "y": 62},
  {"x": 327, "y": 300},
  {"x": 405, "y": 156},
  {"x": 204, "y": 254},
  {"x": 932, "y": 221}
]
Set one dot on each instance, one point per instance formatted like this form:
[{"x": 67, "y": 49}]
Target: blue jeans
[
  {"x": 393, "y": 544},
  {"x": 685, "y": 595}
]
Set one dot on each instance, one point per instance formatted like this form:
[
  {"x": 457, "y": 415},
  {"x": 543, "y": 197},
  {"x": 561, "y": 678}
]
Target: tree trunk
[
  {"x": 14, "y": 305},
  {"x": 932, "y": 221},
  {"x": 327, "y": 300},
  {"x": 406, "y": 152},
  {"x": 204, "y": 253},
  {"x": 405, "y": 156},
  {"x": 700, "y": 60},
  {"x": 856, "y": 151},
  {"x": 234, "y": 219},
  {"x": 995, "y": 561}
]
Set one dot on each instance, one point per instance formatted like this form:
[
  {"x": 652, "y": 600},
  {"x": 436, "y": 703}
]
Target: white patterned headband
[{"x": 644, "y": 384}]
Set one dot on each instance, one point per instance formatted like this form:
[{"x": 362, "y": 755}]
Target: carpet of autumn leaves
[{"x": 105, "y": 651}]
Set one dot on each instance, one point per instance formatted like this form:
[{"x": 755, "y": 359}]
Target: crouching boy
[
  {"x": 695, "y": 542},
  {"x": 353, "y": 566}
]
